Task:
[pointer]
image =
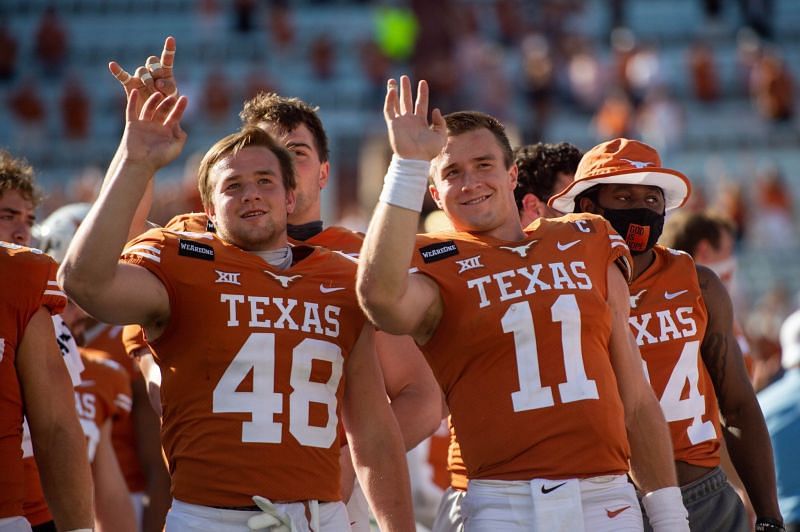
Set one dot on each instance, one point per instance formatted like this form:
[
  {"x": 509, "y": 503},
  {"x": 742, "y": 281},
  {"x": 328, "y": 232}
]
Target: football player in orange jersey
[
  {"x": 66, "y": 481},
  {"x": 542, "y": 170},
  {"x": 410, "y": 385},
  {"x": 504, "y": 317},
  {"x": 682, "y": 318},
  {"x": 254, "y": 338}
]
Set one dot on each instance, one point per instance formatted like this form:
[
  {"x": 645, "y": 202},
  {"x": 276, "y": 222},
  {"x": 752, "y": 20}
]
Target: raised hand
[
  {"x": 156, "y": 75},
  {"x": 153, "y": 136},
  {"x": 410, "y": 134}
]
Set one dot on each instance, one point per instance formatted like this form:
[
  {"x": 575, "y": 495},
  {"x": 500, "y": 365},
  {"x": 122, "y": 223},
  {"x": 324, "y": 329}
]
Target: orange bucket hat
[{"x": 623, "y": 161}]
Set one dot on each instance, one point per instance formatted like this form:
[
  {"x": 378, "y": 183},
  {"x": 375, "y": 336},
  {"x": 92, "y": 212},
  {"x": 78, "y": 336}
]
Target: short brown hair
[
  {"x": 684, "y": 231},
  {"x": 539, "y": 166},
  {"x": 286, "y": 114},
  {"x": 17, "y": 174},
  {"x": 231, "y": 145},
  {"x": 465, "y": 121}
]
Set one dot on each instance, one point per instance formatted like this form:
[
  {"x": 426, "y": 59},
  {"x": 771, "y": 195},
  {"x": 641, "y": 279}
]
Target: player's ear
[
  {"x": 291, "y": 201},
  {"x": 513, "y": 173},
  {"x": 324, "y": 173},
  {"x": 435, "y": 195}
]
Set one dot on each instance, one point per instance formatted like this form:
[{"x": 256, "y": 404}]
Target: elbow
[
  {"x": 374, "y": 299},
  {"x": 79, "y": 288}
]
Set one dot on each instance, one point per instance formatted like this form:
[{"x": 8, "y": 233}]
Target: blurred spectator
[
  {"x": 539, "y": 82},
  {"x": 703, "y": 72},
  {"x": 643, "y": 72},
  {"x": 216, "y": 97},
  {"x": 772, "y": 87},
  {"x": 27, "y": 107},
  {"x": 615, "y": 116},
  {"x": 75, "y": 109},
  {"x": 257, "y": 81},
  {"x": 780, "y": 403},
  {"x": 509, "y": 21},
  {"x": 279, "y": 22},
  {"x": 660, "y": 120},
  {"x": 772, "y": 225},
  {"x": 8, "y": 52},
  {"x": 209, "y": 19},
  {"x": 731, "y": 204},
  {"x": 585, "y": 77},
  {"x": 623, "y": 48},
  {"x": 243, "y": 15},
  {"x": 763, "y": 327},
  {"x": 322, "y": 56},
  {"x": 434, "y": 50},
  {"x": 376, "y": 67},
  {"x": 51, "y": 43},
  {"x": 757, "y": 15},
  {"x": 481, "y": 69}
]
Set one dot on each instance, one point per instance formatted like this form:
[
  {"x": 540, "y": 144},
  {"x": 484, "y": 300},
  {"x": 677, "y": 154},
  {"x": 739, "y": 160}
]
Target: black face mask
[{"x": 639, "y": 227}]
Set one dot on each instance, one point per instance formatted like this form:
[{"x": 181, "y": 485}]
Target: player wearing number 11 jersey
[
  {"x": 526, "y": 333},
  {"x": 682, "y": 320}
]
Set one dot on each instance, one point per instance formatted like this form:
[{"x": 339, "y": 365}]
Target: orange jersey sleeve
[
  {"x": 196, "y": 222},
  {"x": 521, "y": 350},
  {"x": 252, "y": 362},
  {"x": 133, "y": 339},
  {"x": 27, "y": 283},
  {"x": 669, "y": 319}
]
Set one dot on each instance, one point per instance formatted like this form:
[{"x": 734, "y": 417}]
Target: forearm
[
  {"x": 65, "y": 474},
  {"x": 91, "y": 259},
  {"x": 381, "y": 469},
  {"x": 113, "y": 507},
  {"x": 385, "y": 258},
  {"x": 652, "y": 462},
  {"x": 750, "y": 450}
]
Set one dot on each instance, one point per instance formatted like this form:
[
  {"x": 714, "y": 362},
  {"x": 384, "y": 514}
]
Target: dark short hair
[
  {"x": 233, "y": 144},
  {"x": 465, "y": 121},
  {"x": 539, "y": 166},
  {"x": 17, "y": 174},
  {"x": 685, "y": 230},
  {"x": 286, "y": 114}
]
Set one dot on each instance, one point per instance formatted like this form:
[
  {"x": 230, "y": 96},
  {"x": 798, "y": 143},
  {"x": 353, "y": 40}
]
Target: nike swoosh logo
[
  {"x": 673, "y": 295},
  {"x": 564, "y": 247},
  {"x": 326, "y": 290},
  {"x": 613, "y": 513},
  {"x": 548, "y": 490}
]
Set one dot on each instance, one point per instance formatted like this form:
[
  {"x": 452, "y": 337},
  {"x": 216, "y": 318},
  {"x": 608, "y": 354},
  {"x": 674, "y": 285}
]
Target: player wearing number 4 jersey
[
  {"x": 526, "y": 332},
  {"x": 682, "y": 320},
  {"x": 255, "y": 339}
]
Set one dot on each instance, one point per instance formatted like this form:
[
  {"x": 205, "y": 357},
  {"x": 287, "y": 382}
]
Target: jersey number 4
[
  {"x": 258, "y": 354},
  {"x": 694, "y": 405}
]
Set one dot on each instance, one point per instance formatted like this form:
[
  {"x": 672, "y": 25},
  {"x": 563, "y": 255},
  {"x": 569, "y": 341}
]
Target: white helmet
[{"x": 56, "y": 232}]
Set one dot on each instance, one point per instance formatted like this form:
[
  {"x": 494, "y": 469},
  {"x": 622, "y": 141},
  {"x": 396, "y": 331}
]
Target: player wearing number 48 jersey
[
  {"x": 682, "y": 320},
  {"x": 255, "y": 339},
  {"x": 526, "y": 333}
]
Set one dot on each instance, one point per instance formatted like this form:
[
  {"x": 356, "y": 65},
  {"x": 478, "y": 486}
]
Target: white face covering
[{"x": 725, "y": 270}]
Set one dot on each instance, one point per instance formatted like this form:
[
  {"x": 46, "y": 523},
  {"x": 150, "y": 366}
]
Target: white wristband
[
  {"x": 405, "y": 183},
  {"x": 665, "y": 509}
]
